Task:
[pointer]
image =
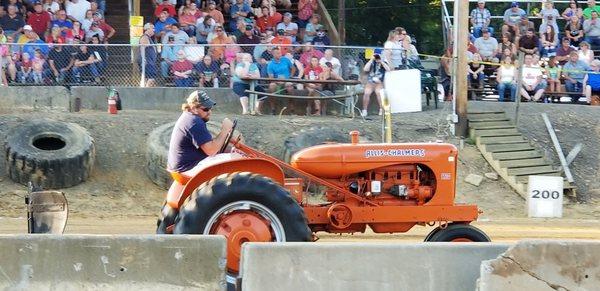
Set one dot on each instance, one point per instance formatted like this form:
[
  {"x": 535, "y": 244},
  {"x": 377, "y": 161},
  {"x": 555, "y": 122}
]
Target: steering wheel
[{"x": 228, "y": 138}]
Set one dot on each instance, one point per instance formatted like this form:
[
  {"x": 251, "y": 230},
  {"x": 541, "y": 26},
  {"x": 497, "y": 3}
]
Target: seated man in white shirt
[{"x": 532, "y": 80}]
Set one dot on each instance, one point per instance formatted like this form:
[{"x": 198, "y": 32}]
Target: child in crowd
[
  {"x": 38, "y": 67},
  {"x": 553, "y": 75},
  {"x": 26, "y": 67}
]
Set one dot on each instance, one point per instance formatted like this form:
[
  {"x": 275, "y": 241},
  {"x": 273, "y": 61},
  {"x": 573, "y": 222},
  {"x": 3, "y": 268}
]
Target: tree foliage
[{"x": 369, "y": 21}]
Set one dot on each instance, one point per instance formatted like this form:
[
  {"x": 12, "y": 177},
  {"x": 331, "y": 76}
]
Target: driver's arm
[{"x": 212, "y": 147}]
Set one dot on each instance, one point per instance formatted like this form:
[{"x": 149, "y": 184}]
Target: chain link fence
[{"x": 170, "y": 65}]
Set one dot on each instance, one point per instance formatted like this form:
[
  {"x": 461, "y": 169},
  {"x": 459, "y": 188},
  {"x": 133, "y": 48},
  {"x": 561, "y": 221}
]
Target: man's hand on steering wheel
[{"x": 229, "y": 134}]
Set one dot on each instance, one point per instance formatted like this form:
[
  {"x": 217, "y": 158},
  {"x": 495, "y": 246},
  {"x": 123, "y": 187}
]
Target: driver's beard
[{"x": 206, "y": 119}]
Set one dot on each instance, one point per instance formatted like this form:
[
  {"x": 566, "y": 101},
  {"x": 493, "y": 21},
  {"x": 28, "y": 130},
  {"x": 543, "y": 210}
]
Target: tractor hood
[{"x": 338, "y": 160}]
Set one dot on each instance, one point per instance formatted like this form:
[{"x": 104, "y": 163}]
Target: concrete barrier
[
  {"x": 102, "y": 262},
  {"x": 156, "y": 98},
  {"x": 359, "y": 266},
  {"x": 45, "y": 97},
  {"x": 544, "y": 265}
]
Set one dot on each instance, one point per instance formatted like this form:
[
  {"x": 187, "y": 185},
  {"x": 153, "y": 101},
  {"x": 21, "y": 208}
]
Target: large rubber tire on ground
[
  {"x": 311, "y": 137},
  {"x": 458, "y": 232},
  {"x": 216, "y": 200},
  {"x": 157, "y": 149},
  {"x": 51, "y": 154}
]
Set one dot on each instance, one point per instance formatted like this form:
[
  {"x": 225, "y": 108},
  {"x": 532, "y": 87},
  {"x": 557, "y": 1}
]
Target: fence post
[
  {"x": 519, "y": 84},
  {"x": 143, "y": 65},
  {"x": 2, "y": 76}
]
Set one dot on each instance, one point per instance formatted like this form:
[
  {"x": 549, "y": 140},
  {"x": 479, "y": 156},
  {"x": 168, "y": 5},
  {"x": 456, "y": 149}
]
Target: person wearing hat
[
  {"x": 215, "y": 13},
  {"x": 290, "y": 28},
  {"x": 39, "y": 19},
  {"x": 108, "y": 30},
  {"x": 165, "y": 5},
  {"x": 12, "y": 22},
  {"x": 487, "y": 46},
  {"x": 321, "y": 39},
  {"x": 283, "y": 41},
  {"x": 512, "y": 16},
  {"x": 480, "y": 18},
  {"x": 249, "y": 40},
  {"x": 150, "y": 54},
  {"x": 191, "y": 142},
  {"x": 563, "y": 51},
  {"x": 239, "y": 10}
]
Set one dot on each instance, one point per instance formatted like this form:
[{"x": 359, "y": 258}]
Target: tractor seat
[{"x": 179, "y": 182}]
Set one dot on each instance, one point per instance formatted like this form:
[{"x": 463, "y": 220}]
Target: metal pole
[
  {"x": 387, "y": 118},
  {"x": 342, "y": 20},
  {"x": 143, "y": 65},
  {"x": 461, "y": 27},
  {"x": 519, "y": 84},
  {"x": 559, "y": 152}
]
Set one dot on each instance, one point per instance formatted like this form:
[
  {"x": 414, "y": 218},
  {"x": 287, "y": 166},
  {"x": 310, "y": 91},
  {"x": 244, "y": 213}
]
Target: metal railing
[{"x": 156, "y": 65}]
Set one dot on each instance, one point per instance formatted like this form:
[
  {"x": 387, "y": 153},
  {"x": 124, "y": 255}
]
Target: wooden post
[
  {"x": 342, "y": 20},
  {"x": 519, "y": 84},
  {"x": 461, "y": 29},
  {"x": 136, "y": 7}
]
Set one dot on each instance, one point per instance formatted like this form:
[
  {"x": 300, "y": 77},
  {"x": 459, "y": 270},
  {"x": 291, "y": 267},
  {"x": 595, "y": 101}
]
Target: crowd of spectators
[
  {"x": 555, "y": 55},
  {"x": 50, "y": 41},
  {"x": 223, "y": 43}
]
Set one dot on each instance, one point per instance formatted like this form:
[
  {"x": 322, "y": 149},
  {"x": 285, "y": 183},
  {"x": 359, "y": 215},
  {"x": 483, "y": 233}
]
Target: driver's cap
[{"x": 201, "y": 98}]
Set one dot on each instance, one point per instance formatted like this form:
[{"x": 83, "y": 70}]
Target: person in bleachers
[
  {"x": 218, "y": 43},
  {"x": 574, "y": 30},
  {"x": 55, "y": 35},
  {"x": 586, "y": 54},
  {"x": 266, "y": 21},
  {"x": 76, "y": 9},
  {"x": 328, "y": 57},
  {"x": 532, "y": 80},
  {"x": 237, "y": 11},
  {"x": 475, "y": 74},
  {"x": 51, "y": 6},
  {"x": 505, "y": 45},
  {"x": 290, "y": 28},
  {"x": 85, "y": 63},
  {"x": 487, "y": 46},
  {"x": 193, "y": 9},
  {"x": 38, "y": 66},
  {"x": 279, "y": 67},
  {"x": 187, "y": 21},
  {"x": 182, "y": 70},
  {"x": 150, "y": 55},
  {"x": 244, "y": 69},
  {"x": 165, "y": 5},
  {"x": 214, "y": 13},
  {"x": 179, "y": 35},
  {"x": 168, "y": 55},
  {"x": 96, "y": 8},
  {"x": 553, "y": 74},
  {"x": 76, "y": 33},
  {"x": 322, "y": 39},
  {"x": 194, "y": 52},
  {"x": 591, "y": 81},
  {"x": 591, "y": 28},
  {"x": 308, "y": 52},
  {"x": 86, "y": 23},
  {"x": 208, "y": 72},
  {"x": 529, "y": 43},
  {"x": 549, "y": 15},
  {"x": 24, "y": 74},
  {"x": 574, "y": 72},
  {"x": 108, "y": 30},
  {"x": 591, "y": 7},
  {"x": 481, "y": 18},
  {"x": 306, "y": 9},
  {"x": 512, "y": 16},
  {"x": 204, "y": 27},
  {"x": 61, "y": 20},
  {"x": 163, "y": 25},
  {"x": 311, "y": 28},
  {"x": 249, "y": 40},
  {"x": 100, "y": 53},
  {"x": 61, "y": 61},
  {"x": 95, "y": 30},
  {"x": 12, "y": 22},
  {"x": 549, "y": 41},
  {"x": 284, "y": 43},
  {"x": 573, "y": 10},
  {"x": 39, "y": 19},
  {"x": 562, "y": 53},
  {"x": 506, "y": 77}
]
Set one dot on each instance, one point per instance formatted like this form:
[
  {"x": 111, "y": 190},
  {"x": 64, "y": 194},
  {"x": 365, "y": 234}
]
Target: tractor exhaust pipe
[{"x": 386, "y": 127}]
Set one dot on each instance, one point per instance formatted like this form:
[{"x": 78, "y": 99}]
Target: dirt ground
[{"x": 119, "y": 198}]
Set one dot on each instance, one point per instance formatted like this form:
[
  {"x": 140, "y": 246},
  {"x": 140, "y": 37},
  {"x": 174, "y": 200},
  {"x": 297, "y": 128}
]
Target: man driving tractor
[{"x": 191, "y": 142}]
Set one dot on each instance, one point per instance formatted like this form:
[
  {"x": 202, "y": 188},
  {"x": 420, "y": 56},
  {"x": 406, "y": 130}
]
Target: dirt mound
[{"x": 119, "y": 186}]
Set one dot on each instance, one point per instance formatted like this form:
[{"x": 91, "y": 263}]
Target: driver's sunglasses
[{"x": 206, "y": 109}]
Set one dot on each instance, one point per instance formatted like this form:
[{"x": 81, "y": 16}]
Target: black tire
[
  {"x": 311, "y": 137},
  {"x": 431, "y": 234},
  {"x": 51, "y": 154},
  {"x": 226, "y": 189},
  {"x": 157, "y": 149},
  {"x": 459, "y": 231}
]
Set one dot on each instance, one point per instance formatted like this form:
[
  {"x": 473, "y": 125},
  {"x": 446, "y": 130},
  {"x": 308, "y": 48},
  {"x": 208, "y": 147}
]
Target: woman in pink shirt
[{"x": 187, "y": 21}]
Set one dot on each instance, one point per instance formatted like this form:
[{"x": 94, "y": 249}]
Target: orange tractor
[{"x": 249, "y": 196}]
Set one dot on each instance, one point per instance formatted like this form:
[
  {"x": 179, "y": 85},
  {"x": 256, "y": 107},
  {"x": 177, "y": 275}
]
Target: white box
[
  {"x": 403, "y": 89},
  {"x": 545, "y": 196}
]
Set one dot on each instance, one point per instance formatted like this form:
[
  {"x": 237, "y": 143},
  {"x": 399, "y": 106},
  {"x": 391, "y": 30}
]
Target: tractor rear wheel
[
  {"x": 458, "y": 232},
  {"x": 244, "y": 207}
]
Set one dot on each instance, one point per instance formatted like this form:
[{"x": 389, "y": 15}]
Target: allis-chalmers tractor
[{"x": 248, "y": 196}]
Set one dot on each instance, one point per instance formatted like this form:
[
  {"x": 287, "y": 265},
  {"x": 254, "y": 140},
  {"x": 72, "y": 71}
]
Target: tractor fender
[{"x": 262, "y": 167}]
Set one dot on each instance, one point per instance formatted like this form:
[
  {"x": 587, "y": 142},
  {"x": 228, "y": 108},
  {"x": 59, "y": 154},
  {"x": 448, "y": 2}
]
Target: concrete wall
[
  {"x": 101, "y": 262},
  {"x": 158, "y": 98},
  {"x": 544, "y": 265},
  {"x": 24, "y": 97},
  {"x": 360, "y": 266}
]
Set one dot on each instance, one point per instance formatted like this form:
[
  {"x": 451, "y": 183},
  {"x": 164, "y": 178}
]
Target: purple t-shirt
[{"x": 189, "y": 133}]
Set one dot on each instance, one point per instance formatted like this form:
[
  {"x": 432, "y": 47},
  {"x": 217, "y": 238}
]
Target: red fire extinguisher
[{"x": 113, "y": 101}]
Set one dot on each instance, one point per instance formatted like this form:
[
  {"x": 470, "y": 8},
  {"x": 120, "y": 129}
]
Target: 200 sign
[{"x": 545, "y": 194}]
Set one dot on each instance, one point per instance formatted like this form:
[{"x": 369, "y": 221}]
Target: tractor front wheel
[
  {"x": 243, "y": 207},
  {"x": 458, "y": 232}
]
